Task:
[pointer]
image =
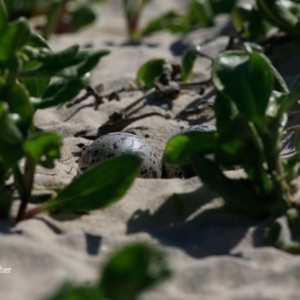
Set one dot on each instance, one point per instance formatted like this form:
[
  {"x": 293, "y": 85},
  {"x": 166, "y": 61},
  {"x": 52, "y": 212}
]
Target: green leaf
[
  {"x": 247, "y": 80},
  {"x": 239, "y": 144},
  {"x": 43, "y": 148},
  {"x": 131, "y": 271},
  {"x": 234, "y": 141},
  {"x": 14, "y": 36},
  {"x": 98, "y": 187},
  {"x": 128, "y": 272},
  {"x": 55, "y": 62},
  {"x": 171, "y": 21},
  {"x": 181, "y": 146},
  {"x": 10, "y": 139},
  {"x": 54, "y": 9},
  {"x": 149, "y": 71},
  {"x": 225, "y": 110},
  {"x": 221, "y": 6},
  {"x": 82, "y": 16},
  {"x": 37, "y": 85},
  {"x": 188, "y": 60},
  {"x": 3, "y": 16},
  {"x": 90, "y": 62},
  {"x": 18, "y": 100},
  {"x": 69, "y": 63},
  {"x": 293, "y": 96},
  {"x": 279, "y": 83},
  {"x": 60, "y": 91},
  {"x": 134, "y": 7},
  {"x": 37, "y": 41},
  {"x": 249, "y": 15},
  {"x": 200, "y": 12},
  {"x": 291, "y": 163},
  {"x": 283, "y": 14}
]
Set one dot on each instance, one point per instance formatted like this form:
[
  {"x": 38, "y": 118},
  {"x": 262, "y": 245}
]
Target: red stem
[
  {"x": 30, "y": 213},
  {"x": 28, "y": 184}
]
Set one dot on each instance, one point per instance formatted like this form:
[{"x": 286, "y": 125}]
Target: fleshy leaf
[
  {"x": 132, "y": 270},
  {"x": 60, "y": 91},
  {"x": 3, "y": 16},
  {"x": 149, "y": 71},
  {"x": 15, "y": 35},
  {"x": 171, "y": 21},
  {"x": 181, "y": 146},
  {"x": 10, "y": 139},
  {"x": 250, "y": 15},
  {"x": 247, "y": 80},
  {"x": 97, "y": 187},
  {"x": 281, "y": 13},
  {"x": 43, "y": 148},
  {"x": 200, "y": 12},
  {"x": 188, "y": 60},
  {"x": 83, "y": 15}
]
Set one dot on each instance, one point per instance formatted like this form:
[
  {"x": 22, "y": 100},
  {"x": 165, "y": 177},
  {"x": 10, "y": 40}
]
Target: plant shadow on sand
[
  {"x": 183, "y": 222},
  {"x": 7, "y": 227}
]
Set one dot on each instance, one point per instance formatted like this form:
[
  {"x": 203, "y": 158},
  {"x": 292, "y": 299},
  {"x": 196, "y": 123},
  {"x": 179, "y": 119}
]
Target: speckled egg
[
  {"x": 184, "y": 170},
  {"x": 113, "y": 144}
]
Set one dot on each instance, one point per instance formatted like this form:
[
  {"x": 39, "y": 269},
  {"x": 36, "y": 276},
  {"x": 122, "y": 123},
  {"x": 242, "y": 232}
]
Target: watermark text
[{"x": 5, "y": 270}]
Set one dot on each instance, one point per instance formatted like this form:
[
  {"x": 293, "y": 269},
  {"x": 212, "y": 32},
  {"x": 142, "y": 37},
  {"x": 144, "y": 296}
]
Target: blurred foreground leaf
[
  {"x": 132, "y": 270},
  {"x": 127, "y": 273}
]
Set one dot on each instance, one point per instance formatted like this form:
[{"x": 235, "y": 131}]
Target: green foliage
[
  {"x": 250, "y": 108},
  {"x": 252, "y": 20},
  {"x": 258, "y": 18},
  {"x": 250, "y": 16},
  {"x": 32, "y": 76},
  {"x": 200, "y": 12},
  {"x": 222, "y": 6},
  {"x": 3, "y": 16},
  {"x": 133, "y": 10},
  {"x": 149, "y": 71},
  {"x": 83, "y": 15},
  {"x": 132, "y": 270},
  {"x": 283, "y": 14},
  {"x": 61, "y": 16},
  {"x": 97, "y": 187},
  {"x": 171, "y": 21},
  {"x": 188, "y": 60},
  {"x": 127, "y": 273}
]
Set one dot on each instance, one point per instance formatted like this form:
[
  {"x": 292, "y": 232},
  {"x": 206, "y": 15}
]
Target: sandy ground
[{"x": 215, "y": 254}]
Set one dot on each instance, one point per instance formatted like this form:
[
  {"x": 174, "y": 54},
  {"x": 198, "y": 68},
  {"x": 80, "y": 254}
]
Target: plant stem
[
  {"x": 133, "y": 30},
  {"x": 54, "y": 15},
  {"x": 281, "y": 187},
  {"x": 32, "y": 212},
  {"x": 27, "y": 187},
  {"x": 18, "y": 180}
]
